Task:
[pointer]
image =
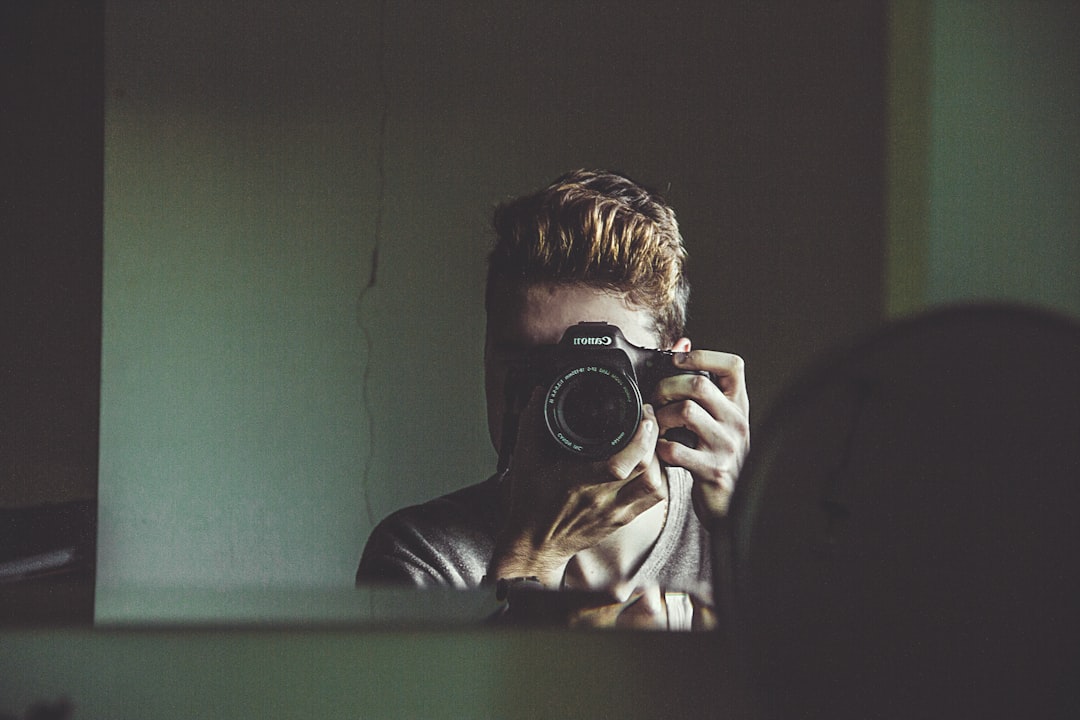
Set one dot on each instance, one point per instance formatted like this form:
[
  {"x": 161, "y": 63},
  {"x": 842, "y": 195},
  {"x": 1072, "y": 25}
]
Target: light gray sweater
[{"x": 449, "y": 541}]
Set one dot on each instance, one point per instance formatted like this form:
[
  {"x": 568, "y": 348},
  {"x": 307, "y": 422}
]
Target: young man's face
[{"x": 538, "y": 315}]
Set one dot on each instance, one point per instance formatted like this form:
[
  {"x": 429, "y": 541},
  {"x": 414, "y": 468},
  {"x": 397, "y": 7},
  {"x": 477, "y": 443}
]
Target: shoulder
[
  {"x": 465, "y": 512},
  {"x": 446, "y": 541}
]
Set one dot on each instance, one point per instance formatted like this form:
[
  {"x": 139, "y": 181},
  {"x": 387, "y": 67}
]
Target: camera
[{"x": 595, "y": 382}]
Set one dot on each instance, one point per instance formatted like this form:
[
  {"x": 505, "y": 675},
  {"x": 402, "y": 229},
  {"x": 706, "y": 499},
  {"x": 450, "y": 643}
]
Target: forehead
[{"x": 538, "y": 314}]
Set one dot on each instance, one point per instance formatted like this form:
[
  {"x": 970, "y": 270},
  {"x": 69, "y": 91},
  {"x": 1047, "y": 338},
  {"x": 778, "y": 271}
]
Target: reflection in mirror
[
  {"x": 296, "y": 225},
  {"x": 297, "y": 214}
]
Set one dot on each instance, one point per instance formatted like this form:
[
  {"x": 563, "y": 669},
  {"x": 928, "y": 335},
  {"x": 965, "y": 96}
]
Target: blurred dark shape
[
  {"x": 904, "y": 540},
  {"x": 51, "y": 215},
  {"x": 47, "y": 555},
  {"x": 60, "y": 710}
]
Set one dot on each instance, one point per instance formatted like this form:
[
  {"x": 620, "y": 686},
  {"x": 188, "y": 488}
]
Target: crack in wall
[{"x": 383, "y": 95}]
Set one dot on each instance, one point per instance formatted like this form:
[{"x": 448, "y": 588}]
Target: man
[{"x": 593, "y": 246}]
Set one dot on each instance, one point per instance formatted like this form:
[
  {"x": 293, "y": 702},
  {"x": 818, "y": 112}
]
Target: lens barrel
[{"x": 593, "y": 410}]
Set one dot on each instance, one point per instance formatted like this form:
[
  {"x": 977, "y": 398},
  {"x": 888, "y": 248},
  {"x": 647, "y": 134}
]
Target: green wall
[
  {"x": 985, "y": 154},
  {"x": 1005, "y": 155}
]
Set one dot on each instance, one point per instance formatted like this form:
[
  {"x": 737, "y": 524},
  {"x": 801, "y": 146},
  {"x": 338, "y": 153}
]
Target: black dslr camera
[{"x": 595, "y": 382}]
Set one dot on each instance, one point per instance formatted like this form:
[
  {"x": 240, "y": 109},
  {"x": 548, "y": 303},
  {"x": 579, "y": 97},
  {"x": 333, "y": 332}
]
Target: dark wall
[
  {"x": 50, "y": 266},
  {"x": 802, "y": 213},
  {"x": 795, "y": 263}
]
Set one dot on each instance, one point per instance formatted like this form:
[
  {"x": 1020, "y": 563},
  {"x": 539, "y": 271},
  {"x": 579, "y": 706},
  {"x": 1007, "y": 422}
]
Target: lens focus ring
[{"x": 593, "y": 410}]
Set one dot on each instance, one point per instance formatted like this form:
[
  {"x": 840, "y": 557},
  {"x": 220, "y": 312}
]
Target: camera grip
[{"x": 683, "y": 436}]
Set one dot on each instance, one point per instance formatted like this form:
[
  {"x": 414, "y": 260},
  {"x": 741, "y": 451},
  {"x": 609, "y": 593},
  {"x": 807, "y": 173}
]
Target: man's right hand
[{"x": 555, "y": 505}]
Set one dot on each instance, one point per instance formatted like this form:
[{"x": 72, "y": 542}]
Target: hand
[
  {"x": 648, "y": 609},
  {"x": 718, "y": 412},
  {"x": 556, "y": 505}
]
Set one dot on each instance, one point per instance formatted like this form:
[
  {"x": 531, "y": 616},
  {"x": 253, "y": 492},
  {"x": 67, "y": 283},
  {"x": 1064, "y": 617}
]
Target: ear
[{"x": 681, "y": 345}]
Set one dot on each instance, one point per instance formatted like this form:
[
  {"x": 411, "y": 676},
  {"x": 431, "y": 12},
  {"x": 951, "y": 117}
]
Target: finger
[
  {"x": 711, "y": 501},
  {"x": 633, "y": 459},
  {"x": 604, "y": 612},
  {"x": 680, "y": 610},
  {"x": 726, "y": 430},
  {"x": 727, "y": 369},
  {"x": 710, "y": 476},
  {"x": 715, "y": 471},
  {"x": 622, "y": 591},
  {"x": 643, "y": 491},
  {"x": 699, "y": 388},
  {"x": 704, "y": 616},
  {"x": 678, "y": 455},
  {"x": 646, "y": 610},
  {"x": 604, "y": 616}
]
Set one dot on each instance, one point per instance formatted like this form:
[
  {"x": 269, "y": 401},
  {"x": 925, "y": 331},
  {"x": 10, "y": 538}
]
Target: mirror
[{"x": 296, "y": 209}]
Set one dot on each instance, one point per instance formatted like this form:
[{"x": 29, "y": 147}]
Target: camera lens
[
  {"x": 590, "y": 409},
  {"x": 593, "y": 411}
]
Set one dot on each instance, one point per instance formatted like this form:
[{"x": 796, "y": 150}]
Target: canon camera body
[{"x": 595, "y": 382}]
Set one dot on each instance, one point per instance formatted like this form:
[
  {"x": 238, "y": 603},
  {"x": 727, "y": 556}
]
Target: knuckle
[
  {"x": 716, "y": 476},
  {"x": 650, "y": 485},
  {"x": 741, "y": 427},
  {"x": 738, "y": 363},
  {"x": 684, "y": 413},
  {"x": 744, "y": 430},
  {"x": 700, "y": 384},
  {"x": 721, "y": 479},
  {"x": 578, "y": 497},
  {"x": 612, "y": 472},
  {"x": 617, "y": 516},
  {"x": 617, "y": 469}
]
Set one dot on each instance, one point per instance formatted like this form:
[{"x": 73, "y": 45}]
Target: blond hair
[{"x": 597, "y": 229}]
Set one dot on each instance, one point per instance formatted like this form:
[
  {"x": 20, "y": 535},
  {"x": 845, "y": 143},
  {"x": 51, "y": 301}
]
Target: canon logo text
[{"x": 592, "y": 340}]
